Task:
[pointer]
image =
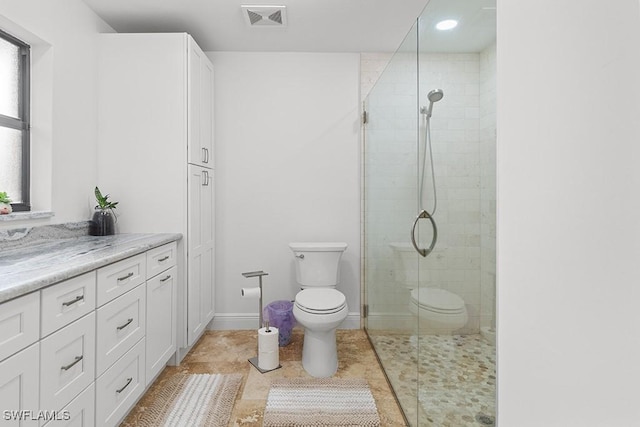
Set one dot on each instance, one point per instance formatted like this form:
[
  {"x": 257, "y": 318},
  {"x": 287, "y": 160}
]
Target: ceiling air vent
[{"x": 265, "y": 16}]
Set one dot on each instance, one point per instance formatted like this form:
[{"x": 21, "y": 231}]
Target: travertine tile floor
[{"x": 228, "y": 352}]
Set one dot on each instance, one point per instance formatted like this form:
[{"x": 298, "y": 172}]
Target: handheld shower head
[{"x": 433, "y": 96}]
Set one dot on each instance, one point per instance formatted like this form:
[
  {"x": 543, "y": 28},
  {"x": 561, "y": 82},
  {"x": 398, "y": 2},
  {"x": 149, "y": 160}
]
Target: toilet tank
[
  {"x": 406, "y": 264},
  {"x": 318, "y": 263}
]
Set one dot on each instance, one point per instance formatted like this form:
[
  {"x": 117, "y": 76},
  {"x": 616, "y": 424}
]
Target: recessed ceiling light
[{"x": 447, "y": 24}]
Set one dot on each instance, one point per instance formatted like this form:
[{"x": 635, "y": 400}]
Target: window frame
[{"x": 24, "y": 122}]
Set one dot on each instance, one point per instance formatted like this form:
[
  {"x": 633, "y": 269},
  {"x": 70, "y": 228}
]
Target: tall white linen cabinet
[{"x": 156, "y": 158}]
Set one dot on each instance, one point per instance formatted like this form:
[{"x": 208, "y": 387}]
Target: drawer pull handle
[
  {"x": 70, "y": 365},
  {"x": 163, "y": 259},
  {"x": 73, "y": 301},
  {"x": 166, "y": 278},
  {"x": 125, "y": 386},
  {"x": 125, "y": 277},
  {"x": 125, "y": 325}
]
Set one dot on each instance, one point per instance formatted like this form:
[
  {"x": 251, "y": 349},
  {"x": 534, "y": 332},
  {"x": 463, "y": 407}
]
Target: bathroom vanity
[{"x": 86, "y": 325}]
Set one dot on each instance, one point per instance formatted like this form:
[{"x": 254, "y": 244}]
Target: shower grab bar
[{"x": 427, "y": 215}]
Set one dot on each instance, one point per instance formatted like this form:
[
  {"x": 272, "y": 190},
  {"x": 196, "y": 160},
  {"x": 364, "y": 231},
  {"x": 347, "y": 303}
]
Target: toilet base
[
  {"x": 319, "y": 353},
  {"x": 430, "y": 323}
]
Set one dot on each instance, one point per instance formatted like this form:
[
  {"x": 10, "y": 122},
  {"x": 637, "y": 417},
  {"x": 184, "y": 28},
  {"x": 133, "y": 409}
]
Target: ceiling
[{"x": 312, "y": 25}]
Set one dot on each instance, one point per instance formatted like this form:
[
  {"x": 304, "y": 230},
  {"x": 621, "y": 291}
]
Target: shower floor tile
[{"x": 452, "y": 385}]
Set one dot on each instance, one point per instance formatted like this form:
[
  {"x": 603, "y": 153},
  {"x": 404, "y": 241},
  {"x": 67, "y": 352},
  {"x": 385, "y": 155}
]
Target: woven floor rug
[
  {"x": 193, "y": 400},
  {"x": 320, "y": 402}
]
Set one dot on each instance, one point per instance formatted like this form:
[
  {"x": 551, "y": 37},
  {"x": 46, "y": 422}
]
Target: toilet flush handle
[{"x": 301, "y": 256}]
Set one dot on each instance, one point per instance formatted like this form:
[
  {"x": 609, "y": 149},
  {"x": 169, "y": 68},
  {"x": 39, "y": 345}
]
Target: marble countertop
[{"x": 27, "y": 269}]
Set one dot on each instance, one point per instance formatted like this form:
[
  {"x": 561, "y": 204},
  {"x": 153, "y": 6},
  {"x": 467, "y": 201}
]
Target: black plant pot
[{"x": 102, "y": 223}]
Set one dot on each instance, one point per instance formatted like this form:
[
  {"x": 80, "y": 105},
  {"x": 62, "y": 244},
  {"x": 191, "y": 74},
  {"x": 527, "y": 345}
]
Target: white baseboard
[{"x": 236, "y": 321}]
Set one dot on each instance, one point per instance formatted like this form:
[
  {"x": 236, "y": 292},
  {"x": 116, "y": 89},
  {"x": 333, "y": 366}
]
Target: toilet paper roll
[
  {"x": 250, "y": 292},
  {"x": 268, "y": 350}
]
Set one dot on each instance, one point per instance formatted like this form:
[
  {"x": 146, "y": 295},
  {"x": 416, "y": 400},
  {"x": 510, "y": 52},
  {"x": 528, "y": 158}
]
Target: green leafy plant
[
  {"x": 4, "y": 198},
  {"x": 103, "y": 201}
]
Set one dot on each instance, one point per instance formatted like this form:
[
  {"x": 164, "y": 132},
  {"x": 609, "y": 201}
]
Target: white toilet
[
  {"x": 439, "y": 311},
  {"x": 319, "y": 307}
]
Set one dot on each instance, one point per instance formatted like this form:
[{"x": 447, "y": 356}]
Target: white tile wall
[
  {"x": 488, "y": 186},
  {"x": 464, "y": 164}
]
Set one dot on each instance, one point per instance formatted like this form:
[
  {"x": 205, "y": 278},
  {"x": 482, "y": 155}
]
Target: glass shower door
[
  {"x": 431, "y": 319},
  {"x": 456, "y": 92},
  {"x": 391, "y": 265}
]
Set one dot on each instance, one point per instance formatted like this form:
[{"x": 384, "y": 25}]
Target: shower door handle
[{"x": 427, "y": 215}]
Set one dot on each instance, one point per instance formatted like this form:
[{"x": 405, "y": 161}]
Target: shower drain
[{"x": 486, "y": 420}]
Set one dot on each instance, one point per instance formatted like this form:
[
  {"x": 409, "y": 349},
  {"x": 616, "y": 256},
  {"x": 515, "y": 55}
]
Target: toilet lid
[
  {"x": 438, "y": 300},
  {"x": 321, "y": 301}
]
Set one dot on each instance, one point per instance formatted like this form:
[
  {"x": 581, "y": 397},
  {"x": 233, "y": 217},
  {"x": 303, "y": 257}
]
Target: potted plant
[
  {"x": 103, "y": 221},
  {"x": 5, "y": 204}
]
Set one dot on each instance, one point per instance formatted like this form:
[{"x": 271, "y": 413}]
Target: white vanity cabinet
[
  {"x": 83, "y": 351},
  {"x": 156, "y": 152}
]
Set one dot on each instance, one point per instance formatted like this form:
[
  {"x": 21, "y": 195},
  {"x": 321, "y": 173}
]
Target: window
[{"x": 14, "y": 120}]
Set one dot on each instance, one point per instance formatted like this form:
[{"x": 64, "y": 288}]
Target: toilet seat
[
  {"x": 320, "y": 301},
  {"x": 437, "y": 300}
]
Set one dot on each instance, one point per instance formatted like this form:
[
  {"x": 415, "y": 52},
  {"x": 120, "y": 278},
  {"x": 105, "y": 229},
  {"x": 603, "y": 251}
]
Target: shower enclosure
[{"x": 441, "y": 376}]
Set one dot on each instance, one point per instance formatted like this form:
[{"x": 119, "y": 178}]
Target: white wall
[
  {"x": 287, "y": 155},
  {"x": 568, "y": 205},
  {"x": 62, "y": 34}
]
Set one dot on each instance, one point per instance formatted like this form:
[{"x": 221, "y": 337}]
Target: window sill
[{"x": 19, "y": 216}]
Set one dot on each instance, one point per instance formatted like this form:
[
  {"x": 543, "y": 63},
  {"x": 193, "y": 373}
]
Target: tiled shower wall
[
  {"x": 488, "y": 186},
  {"x": 465, "y": 173}
]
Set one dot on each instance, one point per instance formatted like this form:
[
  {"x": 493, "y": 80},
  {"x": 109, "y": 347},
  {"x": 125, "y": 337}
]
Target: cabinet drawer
[
  {"x": 120, "y": 386},
  {"x": 19, "y": 324},
  {"x": 67, "y": 363},
  {"x": 67, "y": 301},
  {"x": 19, "y": 385},
  {"x": 161, "y": 258},
  {"x": 80, "y": 412},
  {"x": 120, "y": 277},
  {"x": 120, "y": 324}
]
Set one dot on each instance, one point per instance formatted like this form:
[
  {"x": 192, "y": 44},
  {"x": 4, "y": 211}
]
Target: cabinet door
[
  {"x": 200, "y": 263},
  {"x": 200, "y": 93},
  {"x": 161, "y": 321},
  {"x": 206, "y": 110},
  {"x": 19, "y": 387}
]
